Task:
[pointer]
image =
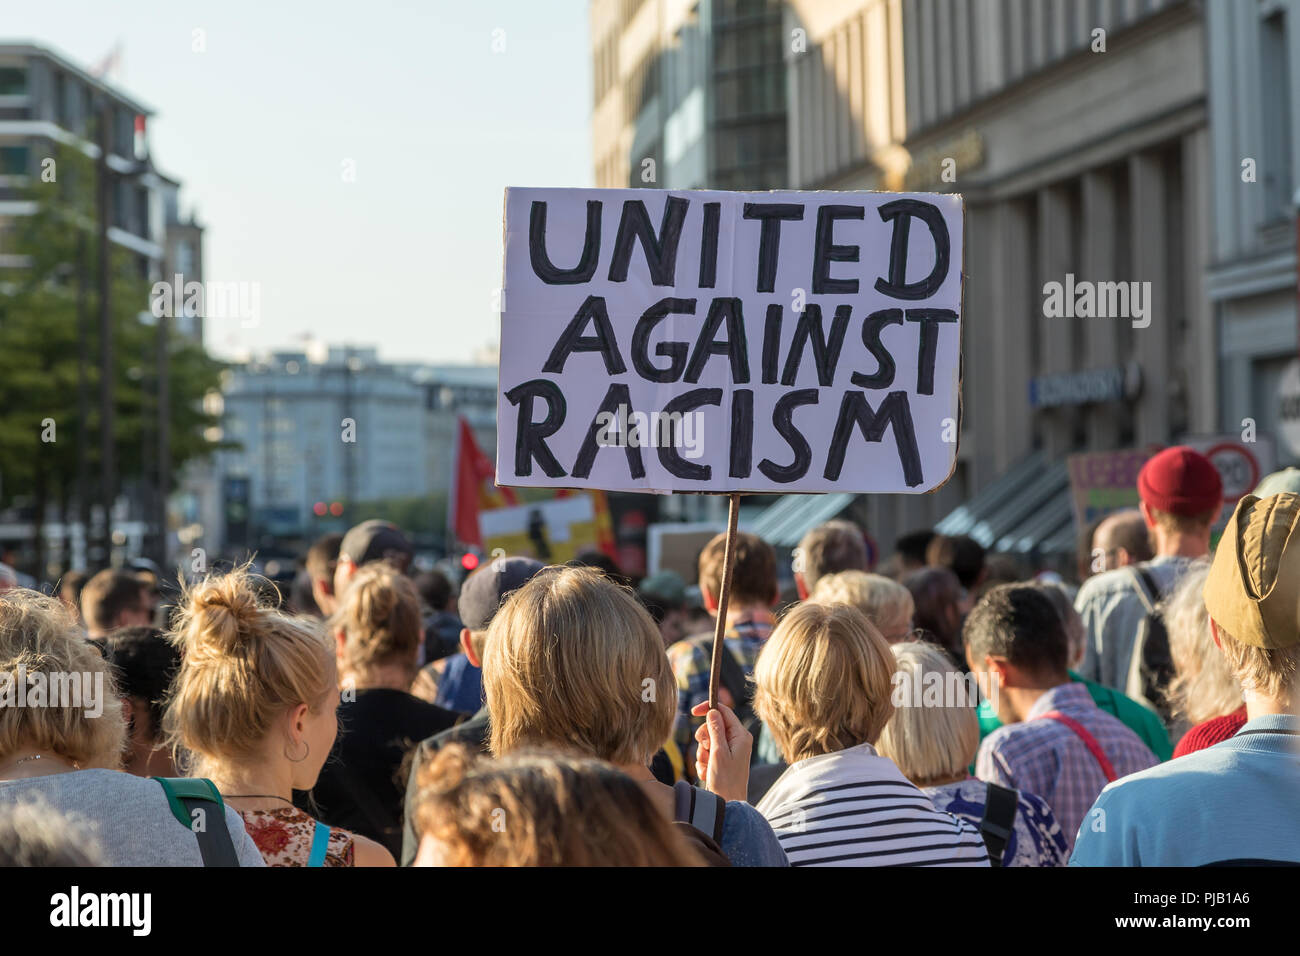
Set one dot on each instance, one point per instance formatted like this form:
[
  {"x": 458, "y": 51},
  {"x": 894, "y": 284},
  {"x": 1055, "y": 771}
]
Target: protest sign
[
  {"x": 554, "y": 531},
  {"x": 730, "y": 342}
]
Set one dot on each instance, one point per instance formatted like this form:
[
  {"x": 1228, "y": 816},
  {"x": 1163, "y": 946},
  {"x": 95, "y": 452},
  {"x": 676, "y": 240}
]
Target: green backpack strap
[{"x": 187, "y": 794}]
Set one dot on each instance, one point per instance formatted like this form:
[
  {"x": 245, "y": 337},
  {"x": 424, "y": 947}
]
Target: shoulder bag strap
[{"x": 1089, "y": 741}]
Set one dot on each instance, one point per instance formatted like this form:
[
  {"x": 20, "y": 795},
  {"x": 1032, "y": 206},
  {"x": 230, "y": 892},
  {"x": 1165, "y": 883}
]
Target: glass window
[
  {"x": 13, "y": 81},
  {"x": 13, "y": 160}
]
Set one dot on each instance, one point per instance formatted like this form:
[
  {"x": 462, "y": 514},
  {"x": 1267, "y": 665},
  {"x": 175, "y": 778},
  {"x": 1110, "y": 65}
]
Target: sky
[{"x": 431, "y": 107}]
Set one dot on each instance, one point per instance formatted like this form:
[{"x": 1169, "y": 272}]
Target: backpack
[
  {"x": 1151, "y": 666},
  {"x": 698, "y": 815},
  {"x": 188, "y": 795},
  {"x": 732, "y": 676},
  {"x": 1000, "y": 805}
]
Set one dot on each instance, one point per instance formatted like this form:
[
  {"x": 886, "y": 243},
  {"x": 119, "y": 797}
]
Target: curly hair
[{"x": 540, "y": 808}]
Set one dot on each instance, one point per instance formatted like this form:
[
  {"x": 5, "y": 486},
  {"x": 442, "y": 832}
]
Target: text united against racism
[{"x": 817, "y": 334}]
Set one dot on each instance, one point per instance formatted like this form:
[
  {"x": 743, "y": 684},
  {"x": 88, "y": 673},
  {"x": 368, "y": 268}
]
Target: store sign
[{"x": 1114, "y": 384}]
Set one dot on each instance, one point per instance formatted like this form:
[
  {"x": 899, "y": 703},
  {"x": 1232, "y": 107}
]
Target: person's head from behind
[
  {"x": 823, "y": 681},
  {"x": 322, "y": 563},
  {"x": 1071, "y": 620},
  {"x": 41, "y": 644},
  {"x": 826, "y": 549},
  {"x": 574, "y": 661},
  {"x": 538, "y": 808},
  {"x": 1017, "y": 647},
  {"x": 886, "y": 603},
  {"x": 256, "y": 687},
  {"x": 369, "y": 541},
  {"x": 378, "y": 629},
  {"x": 960, "y": 554},
  {"x": 1121, "y": 539},
  {"x": 436, "y": 591},
  {"x": 664, "y": 596},
  {"x": 113, "y": 599},
  {"x": 1251, "y": 595},
  {"x": 601, "y": 562},
  {"x": 910, "y": 550},
  {"x": 70, "y": 588},
  {"x": 482, "y": 595},
  {"x": 145, "y": 662},
  {"x": 1203, "y": 686},
  {"x": 939, "y": 599},
  {"x": 34, "y": 834},
  {"x": 1181, "y": 496},
  {"x": 753, "y": 578},
  {"x": 932, "y": 743}
]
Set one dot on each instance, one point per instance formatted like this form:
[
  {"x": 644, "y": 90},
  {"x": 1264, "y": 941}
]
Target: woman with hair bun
[
  {"x": 62, "y": 735},
  {"x": 253, "y": 709}
]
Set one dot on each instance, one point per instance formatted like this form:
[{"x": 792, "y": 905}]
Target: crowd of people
[{"x": 947, "y": 708}]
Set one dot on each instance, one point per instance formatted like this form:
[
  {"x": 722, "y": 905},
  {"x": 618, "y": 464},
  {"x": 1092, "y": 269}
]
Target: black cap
[
  {"x": 487, "y": 588},
  {"x": 374, "y": 540}
]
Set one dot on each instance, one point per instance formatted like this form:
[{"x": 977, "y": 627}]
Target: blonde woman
[
  {"x": 574, "y": 662},
  {"x": 886, "y": 603},
  {"x": 378, "y": 631},
  {"x": 1203, "y": 694},
  {"x": 66, "y": 753},
  {"x": 253, "y": 709},
  {"x": 535, "y": 808},
  {"x": 824, "y": 692},
  {"x": 932, "y": 738}
]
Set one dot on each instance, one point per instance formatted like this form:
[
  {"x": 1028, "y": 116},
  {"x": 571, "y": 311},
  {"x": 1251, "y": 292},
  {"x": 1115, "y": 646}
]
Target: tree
[{"x": 39, "y": 342}]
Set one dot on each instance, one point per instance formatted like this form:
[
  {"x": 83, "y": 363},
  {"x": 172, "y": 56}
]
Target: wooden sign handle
[{"x": 724, "y": 598}]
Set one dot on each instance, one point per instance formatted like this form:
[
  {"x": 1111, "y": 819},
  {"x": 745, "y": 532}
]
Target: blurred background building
[{"x": 319, "y": 436}]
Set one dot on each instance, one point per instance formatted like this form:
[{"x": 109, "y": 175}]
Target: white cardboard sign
[{"x": 718, "y": 341}]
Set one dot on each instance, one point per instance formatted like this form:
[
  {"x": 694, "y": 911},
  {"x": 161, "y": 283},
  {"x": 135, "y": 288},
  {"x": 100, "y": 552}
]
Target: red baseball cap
[{"x": 1180, "y": 481}]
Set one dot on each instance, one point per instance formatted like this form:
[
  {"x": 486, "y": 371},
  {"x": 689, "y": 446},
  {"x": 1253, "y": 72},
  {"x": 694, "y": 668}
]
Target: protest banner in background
[
  {"x": 554, "y": 531},
  {"x": 728, "y": 342},
  {"x": 1106, "y": 481}
]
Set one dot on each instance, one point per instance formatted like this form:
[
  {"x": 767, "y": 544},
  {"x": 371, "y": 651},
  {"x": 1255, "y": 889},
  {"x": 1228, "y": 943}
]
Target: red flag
[{"x": 474, "y": 488}]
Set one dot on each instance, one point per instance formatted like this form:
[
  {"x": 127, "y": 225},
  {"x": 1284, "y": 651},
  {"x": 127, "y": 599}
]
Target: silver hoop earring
[{"x": 297, "y": 759}]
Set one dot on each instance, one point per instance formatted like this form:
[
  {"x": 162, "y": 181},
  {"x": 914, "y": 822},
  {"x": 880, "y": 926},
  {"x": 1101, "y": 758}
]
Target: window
[
  {"x": 13, "y": 160},
  {"x": 13, "y": 81},
  {"x": 1275, "y": 104}
]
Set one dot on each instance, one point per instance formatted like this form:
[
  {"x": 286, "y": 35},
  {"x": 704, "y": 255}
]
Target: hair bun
[{"x": 224, "y": 614}]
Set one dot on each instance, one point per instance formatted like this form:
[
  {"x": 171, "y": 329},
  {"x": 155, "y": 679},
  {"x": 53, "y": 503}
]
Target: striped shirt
[
  {"x": 855, "y": 808},
  {"x": 1046, "y": 758}
]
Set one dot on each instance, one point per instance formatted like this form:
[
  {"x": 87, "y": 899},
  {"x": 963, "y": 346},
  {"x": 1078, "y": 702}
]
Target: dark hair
[
  {"x": 145, "y": 663},
  {"x": 71, "y": 585},
  {"x": 323, "y": 556},
  {"x": 1018, "y": 622},
  {"x": 1132, "y": 535},
  {"x": 935, "y": 593},
  {"x": 962, "y": 554},
  {"x": 912, "y": 546},
  {"x": 435, "y": 589},
  {"x": 601, "y": 562},
  {"x": 301, "y": 598},
  {"x": 107, "y": 595}
]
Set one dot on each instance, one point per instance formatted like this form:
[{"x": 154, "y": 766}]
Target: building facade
[
  {"x": 1251, "y": 279},
  {"x": 316, "y": 435},
  {"x": 1077, "y": 135}
]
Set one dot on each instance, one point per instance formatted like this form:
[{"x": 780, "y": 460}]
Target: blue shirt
[
  {"x": 1235, "y": 801},
  {"x": 460, "y": 687},
  {"x": 748, "y": 839}
]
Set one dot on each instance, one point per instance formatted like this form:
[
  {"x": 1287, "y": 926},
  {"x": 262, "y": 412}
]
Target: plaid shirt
[
  {"x": 1047, "y": 759},
  {"x": 692, "y": 658}
]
